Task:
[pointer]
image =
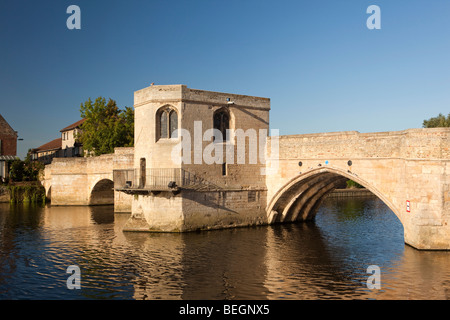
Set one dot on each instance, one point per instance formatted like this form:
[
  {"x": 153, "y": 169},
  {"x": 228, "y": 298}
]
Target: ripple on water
[{"x": 327, "y": 259}]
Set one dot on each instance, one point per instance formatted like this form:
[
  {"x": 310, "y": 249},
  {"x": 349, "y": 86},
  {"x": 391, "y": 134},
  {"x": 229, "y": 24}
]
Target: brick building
[
  {"x": 8, "y": 146},
  {"x": 63, "y": 147}
]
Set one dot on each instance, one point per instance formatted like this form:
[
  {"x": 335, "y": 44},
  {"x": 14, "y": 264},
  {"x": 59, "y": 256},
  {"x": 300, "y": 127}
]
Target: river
[{"x": 326, "y": 259}]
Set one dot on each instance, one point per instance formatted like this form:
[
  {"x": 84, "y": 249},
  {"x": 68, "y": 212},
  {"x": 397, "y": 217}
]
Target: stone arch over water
[
  {"x": 300, "y": 198},
  {"x": 102, "y": 193},
  {"x": 48, "y": 192}
]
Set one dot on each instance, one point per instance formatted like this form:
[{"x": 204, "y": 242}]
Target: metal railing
[{"x": 162, "y": 178}]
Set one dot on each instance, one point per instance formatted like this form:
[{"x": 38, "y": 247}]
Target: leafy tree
[
  {"x": 26, "y": 170},
  {"x": 437, "y": 122},
  {"x": 31, "y": 169},
  {"x": 106, "y": 126},
  {"x": 16, "y": 170},
  {"x": 352, "y": 184}
]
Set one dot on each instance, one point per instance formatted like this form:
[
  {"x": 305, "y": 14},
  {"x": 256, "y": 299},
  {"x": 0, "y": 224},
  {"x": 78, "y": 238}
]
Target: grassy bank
[{"x": 23, "y": 192}]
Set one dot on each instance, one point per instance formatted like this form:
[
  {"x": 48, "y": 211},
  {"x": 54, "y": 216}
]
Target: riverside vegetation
[
  {"x": 26, "y": 193},
  {"x": 23, "y": 184}
]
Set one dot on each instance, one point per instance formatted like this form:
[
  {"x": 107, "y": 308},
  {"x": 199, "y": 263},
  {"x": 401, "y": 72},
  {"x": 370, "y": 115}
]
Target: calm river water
[{"x": 327, "y": 259}]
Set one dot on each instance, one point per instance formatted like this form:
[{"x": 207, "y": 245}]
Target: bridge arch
[
  {"x": 102, "y": 192},
  {"x": 300, "y": 198},
  {"x": 48, "y": 192}
]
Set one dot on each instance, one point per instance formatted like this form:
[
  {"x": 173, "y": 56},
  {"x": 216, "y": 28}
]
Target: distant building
[
  {"x": 47, "y": 151},
  {"x": 8, "y": 146},
  {"x": 70, "y": 147},
  {"x": 63, "y": 147}
]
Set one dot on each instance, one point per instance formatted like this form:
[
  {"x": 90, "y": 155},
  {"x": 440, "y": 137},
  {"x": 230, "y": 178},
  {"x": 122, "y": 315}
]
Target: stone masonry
[
  {"x": 223, "y": 199},
  {"x": 408, "y": 170}
]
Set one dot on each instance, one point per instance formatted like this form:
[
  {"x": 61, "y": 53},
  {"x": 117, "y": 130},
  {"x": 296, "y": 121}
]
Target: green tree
[
  {"x": 31, "y": 169},
  {"x": 106, "y": 126},
  {"x": 437, "y": 122},
  {"x": 352, "y": 184},
  {"x": 16, "y": 170},
  {"x": 26, "y": 170}
]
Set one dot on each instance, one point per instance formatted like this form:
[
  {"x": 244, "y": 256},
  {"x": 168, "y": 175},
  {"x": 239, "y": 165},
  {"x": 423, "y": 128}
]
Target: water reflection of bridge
[{"x": 290, "y": 261}]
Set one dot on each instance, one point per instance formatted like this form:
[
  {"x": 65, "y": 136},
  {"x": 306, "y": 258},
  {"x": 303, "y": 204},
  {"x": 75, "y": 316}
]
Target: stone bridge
[
  {"x": 88, "y": 181},
  {"x": 408, "y": 170}
]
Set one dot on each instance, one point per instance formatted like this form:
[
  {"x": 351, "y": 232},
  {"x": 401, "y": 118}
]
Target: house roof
[
  {"x": 52, "y": 145},
  {"x": 73, "y": 125},
  {"x": 5, "y": 128}
]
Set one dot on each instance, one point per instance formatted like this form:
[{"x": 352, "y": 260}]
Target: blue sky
[{"x": 322, "y": 68}]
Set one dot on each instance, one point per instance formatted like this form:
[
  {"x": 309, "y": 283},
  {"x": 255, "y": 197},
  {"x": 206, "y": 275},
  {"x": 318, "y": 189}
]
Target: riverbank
[
  {"x": 4, "y": 194},
  {"x": 350, "y": 192},
  {"x": 27, "y": 191}
]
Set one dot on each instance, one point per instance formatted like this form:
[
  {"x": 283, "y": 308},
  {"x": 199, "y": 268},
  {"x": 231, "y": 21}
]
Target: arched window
[
  {"x": 173, "y": 123},
  {"x": 221, "y": 121},
  {"x": 167, "y": 122}
]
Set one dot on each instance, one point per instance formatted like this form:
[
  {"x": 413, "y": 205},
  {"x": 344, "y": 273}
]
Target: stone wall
[
  {"x": 88, "y": 181},
  {"x": 192, "y": 105},
  {"x": 224, "y": 201},
  {"x": 402, "y": 166},
  {"x": 123, "y": 159},
  {"x": 158, "y": 213},
  {"x": 223, "y": 209},
  {"x": 197, "y": 210},
  {"x": 68, "y": 181}
]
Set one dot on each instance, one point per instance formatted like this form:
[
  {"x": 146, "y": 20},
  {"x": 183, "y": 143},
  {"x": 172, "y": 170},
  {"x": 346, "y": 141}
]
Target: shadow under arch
[
  {"x": 102, "y": 193},
  {"x": 48, "y": 193},
  {"x": 300, "y": 198}
]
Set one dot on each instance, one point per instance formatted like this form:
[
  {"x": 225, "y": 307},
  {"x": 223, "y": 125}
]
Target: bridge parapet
[
  {"x": 407, "y": 144},
  {"x": 71, "y": 181}
]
